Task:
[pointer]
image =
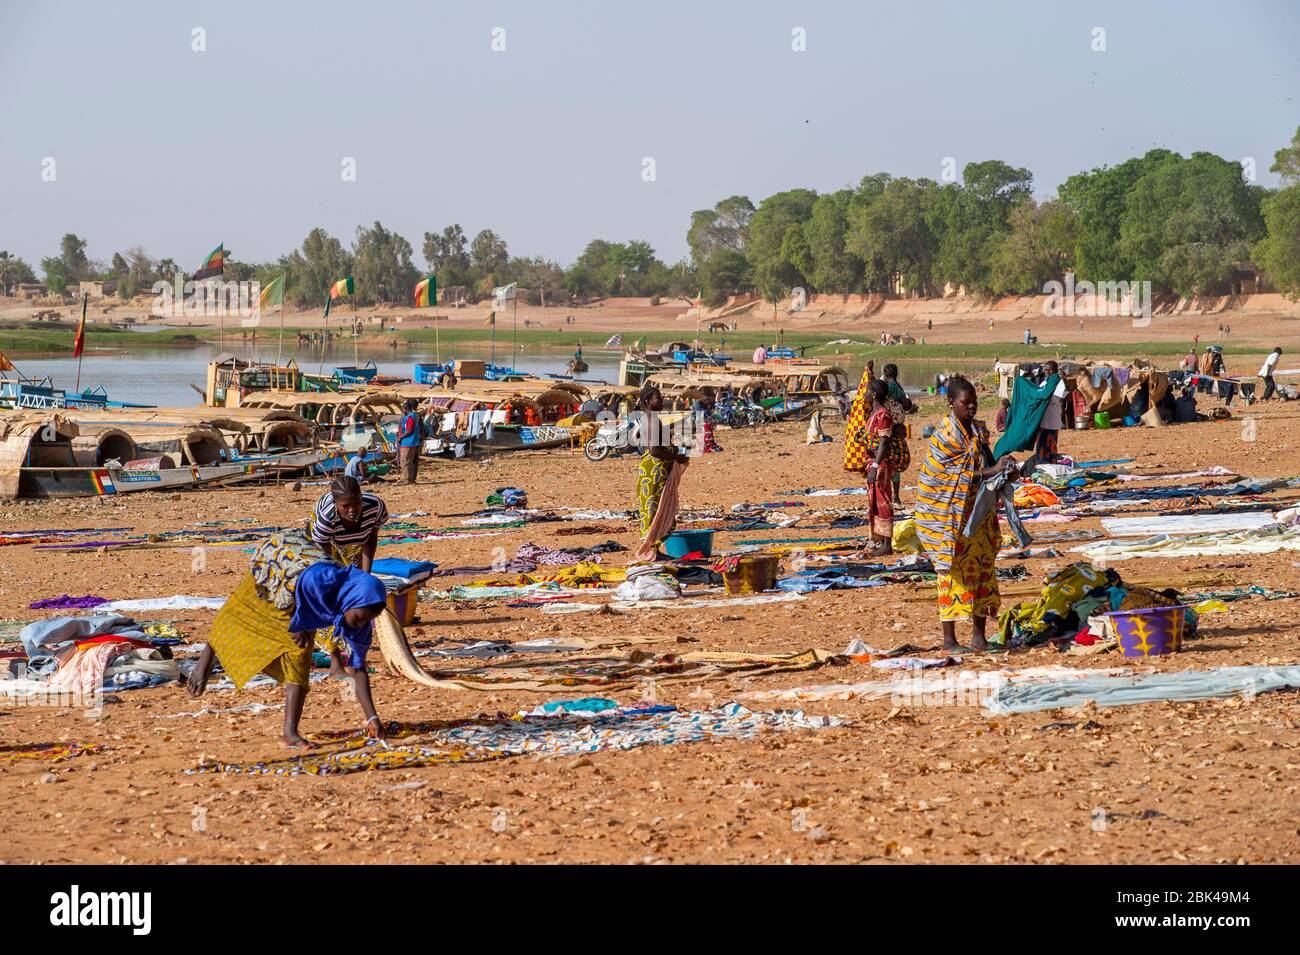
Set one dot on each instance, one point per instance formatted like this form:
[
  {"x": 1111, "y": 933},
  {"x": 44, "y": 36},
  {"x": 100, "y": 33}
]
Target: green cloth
[
  {"x": 895, "y": 390},
  {"x": 1028, "y": 405}
]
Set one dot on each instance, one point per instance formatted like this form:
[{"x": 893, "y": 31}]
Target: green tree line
[{"x": 1182, "y": 223}]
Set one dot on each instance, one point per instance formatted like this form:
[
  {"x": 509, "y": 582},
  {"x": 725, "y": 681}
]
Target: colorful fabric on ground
[
  {"x": 68, "y": 603},
  {"x": 1063, "y": 591},
  {"x": 1035, "y": 495},
  {"x": 1028, "y": 405},
  {"x": 563, "y": 734},
  {"x": 251, "y": 635},
  {"x": 341, "y": 288},
  {"x": 969, "y": 588},
  {"x": 945, "y": 488},
  {"x": 49, "y": 752}
]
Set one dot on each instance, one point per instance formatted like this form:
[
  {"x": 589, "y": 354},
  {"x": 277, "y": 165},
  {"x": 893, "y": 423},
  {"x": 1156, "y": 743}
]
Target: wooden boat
[
  {"x": 525, "y": 437},
  {"x": 48, "y": 482}
]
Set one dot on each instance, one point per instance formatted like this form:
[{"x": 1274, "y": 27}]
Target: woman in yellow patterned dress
[
  {"x": 658, "y": 477},
  {"x": 956, "y": 462}
]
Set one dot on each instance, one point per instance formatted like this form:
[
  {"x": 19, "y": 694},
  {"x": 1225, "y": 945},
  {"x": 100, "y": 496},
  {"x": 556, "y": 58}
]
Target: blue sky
[{"x": 176, "y": 150}]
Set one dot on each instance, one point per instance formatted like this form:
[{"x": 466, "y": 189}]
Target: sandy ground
[{"x": 1195, "y": 782}]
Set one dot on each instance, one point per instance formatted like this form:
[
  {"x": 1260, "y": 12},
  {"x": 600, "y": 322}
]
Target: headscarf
[{"x": 326, "y": 591}]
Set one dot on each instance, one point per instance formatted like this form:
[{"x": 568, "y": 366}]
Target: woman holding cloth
[{"x": 957, "y": 461}]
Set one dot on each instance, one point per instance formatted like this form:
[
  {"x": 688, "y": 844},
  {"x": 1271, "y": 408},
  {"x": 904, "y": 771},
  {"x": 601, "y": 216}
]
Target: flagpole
[
  {"x": 320, "y": 370},
  {"x": 279, "y": 348},
  {"x": 437, "y": 338},
  {"x": 515, "y": 344},
  {"x": 85, "y": 302},
  {"x": 356, "y": 334}
]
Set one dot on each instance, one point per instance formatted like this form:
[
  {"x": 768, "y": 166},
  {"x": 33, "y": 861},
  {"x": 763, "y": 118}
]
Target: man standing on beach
[
  {"x": 408, "y": 442},
  {"x": 1266, "y": 372}
]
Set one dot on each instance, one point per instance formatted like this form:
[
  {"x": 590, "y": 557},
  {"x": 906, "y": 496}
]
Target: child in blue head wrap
[{"x": 347, "y": 599}]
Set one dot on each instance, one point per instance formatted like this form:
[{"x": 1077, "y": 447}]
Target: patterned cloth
[
  {"x": 945, "y": 488},
  {"x": 856, "y": 456},
  {"x": 278, "y": 561},
  {"x": 970, "y": 587},
  {"x": 251, "y": 635},
  {"x": 880, "y": 503}
]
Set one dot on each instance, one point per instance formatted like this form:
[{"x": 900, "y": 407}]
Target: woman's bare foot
[{"x": 298, "y": 742}]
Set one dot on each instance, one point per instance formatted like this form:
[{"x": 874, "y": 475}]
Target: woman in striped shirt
[
  {"x": 957, "y": 461},
  {"x": 346, "y": 526}
]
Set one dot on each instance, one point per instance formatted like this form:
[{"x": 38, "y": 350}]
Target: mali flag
[
  {"x": 214, "y": 264},
  {"x": 341, "y": 287},
  {"x": 272, "y": 293},
  {"x": 426, "y": 292},
  {"x": 80, "y": 343}
]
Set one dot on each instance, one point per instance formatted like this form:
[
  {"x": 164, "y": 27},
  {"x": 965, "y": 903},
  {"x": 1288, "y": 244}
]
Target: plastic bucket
[
  {"x": 1151, "y": 632},
  {"x": 681, "y": 543},
  {"x": 1102, "y": 419}
]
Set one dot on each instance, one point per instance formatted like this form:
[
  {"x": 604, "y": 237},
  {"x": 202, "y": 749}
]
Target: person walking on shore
[
  {"x": 1266, "y": 372},
  {"x": 408, "y": 442}
]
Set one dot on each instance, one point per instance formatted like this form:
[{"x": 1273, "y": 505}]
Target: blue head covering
[{"x": 325, "y": 591}]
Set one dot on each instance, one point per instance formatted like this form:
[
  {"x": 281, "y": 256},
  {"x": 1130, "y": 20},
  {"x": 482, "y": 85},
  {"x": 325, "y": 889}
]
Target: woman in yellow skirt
[
  {"x": 956, "y": 462},
  {"x": 269, "y": 623}
]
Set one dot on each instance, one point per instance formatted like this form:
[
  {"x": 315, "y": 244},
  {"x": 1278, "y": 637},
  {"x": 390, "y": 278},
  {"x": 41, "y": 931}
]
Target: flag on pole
[
  {"x": 214, "y": 264},
  {"x": 426, "y": 292},
  {"x": 272, "y": 293},
  {"x": 80, "y": 343},
  {"x": 615, "y": 340},
  {"x": 341, "y": 287},
  {"x": 503, "y": 293}
]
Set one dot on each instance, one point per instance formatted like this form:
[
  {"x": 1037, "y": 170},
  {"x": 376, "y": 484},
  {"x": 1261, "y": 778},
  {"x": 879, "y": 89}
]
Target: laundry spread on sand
[
  {"x": 616, "y": 671},
  {"x": 1215, "y": 471},
  {"x": 686, "y": 603},
  {"x": 46, "y": 752},
  {"x": 1186, "y": 523},
  {"x": 1262, "y": 540},
  {"x": 178, "y": 602},
  {"x": 964, "y": 688},
  {"x": 65, "y": 602},
  {"x": 1120, "y": 689},
  {"x": 552, "y": 734}
]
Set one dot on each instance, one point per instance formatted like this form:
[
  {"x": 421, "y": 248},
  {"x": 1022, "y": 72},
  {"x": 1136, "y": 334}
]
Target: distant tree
[
  {"x": 1286, "y": 161},
  {"x": 489, "y": 255},
  {"x": 14, "y": 271},
  {"x": 831, "y": 265},
  {"x": 310, "y": 271},
  {"x": 73, "y": 254},
  {"x": 540, "y": 275},
  {"x": 118, "y": 267},
  {"x": 447, "y": 256},
  {"x": 727, "y": 272},
  {"x": 725, "y": 226},
  {"x": 773, "y": 274},
  {"x": 1188, "y": 222},
  {"x": 971, "y": 220},
  {"x": 1098, "y": 199},
  {"x": 1038, "y": 249},
  {"x": 890, "y": 233},
  {"x": 382, "y": 266},
  {"x": 1278, "y": 253},
  {"x": 167, "y": 269}
]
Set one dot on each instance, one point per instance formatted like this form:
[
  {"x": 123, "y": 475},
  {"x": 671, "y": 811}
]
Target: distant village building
[{"x": 29, "y": 290}]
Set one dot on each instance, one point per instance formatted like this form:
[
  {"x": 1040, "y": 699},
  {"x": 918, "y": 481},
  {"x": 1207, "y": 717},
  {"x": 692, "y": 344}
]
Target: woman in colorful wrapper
[
  {"x": 268, "y": 625},
  {"x": 345, "y": 525},
  {"x": 658, "y": 478},
  {"x": 957, "y": 461},
  {"x": 868, "y": 450},
  {"x": 900, "y": 406}
]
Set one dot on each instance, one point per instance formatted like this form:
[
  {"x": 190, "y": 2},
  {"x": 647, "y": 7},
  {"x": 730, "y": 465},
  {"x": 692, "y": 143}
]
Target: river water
[{"x": 163, "y": 376}]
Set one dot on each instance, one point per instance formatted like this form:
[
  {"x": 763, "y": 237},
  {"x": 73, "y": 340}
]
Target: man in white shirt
[
  {"x": 1045, "y": 450},
  {"x": 1266, "y": 372}
]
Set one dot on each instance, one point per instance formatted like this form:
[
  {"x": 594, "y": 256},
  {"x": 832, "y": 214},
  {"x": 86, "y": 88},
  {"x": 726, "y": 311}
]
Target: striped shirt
[{"x": 328, "y": 527}]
